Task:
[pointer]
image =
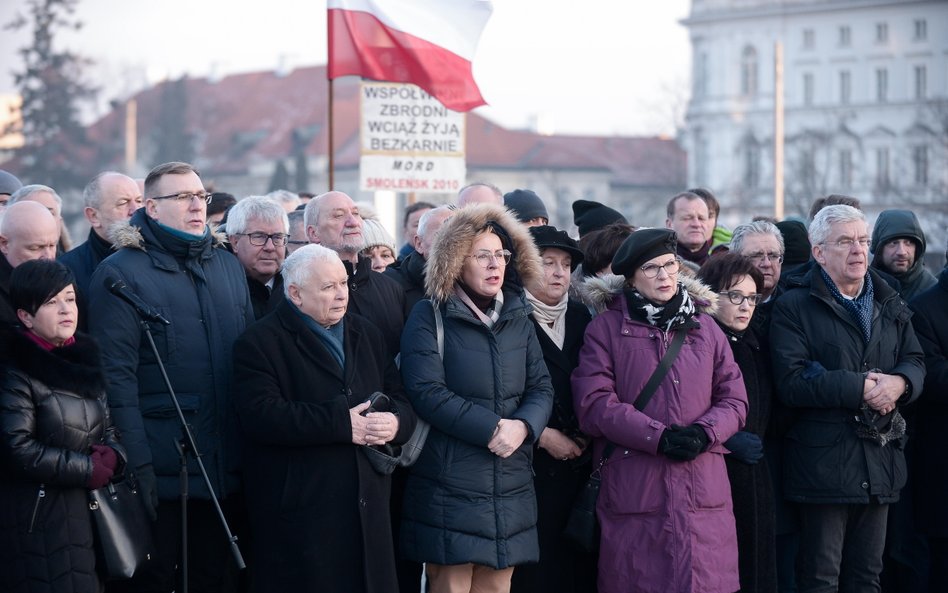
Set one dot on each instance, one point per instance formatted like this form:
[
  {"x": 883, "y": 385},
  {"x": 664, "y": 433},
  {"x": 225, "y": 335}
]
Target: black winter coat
[
  {"x": 751, "y": 486},
  {"x": 410, "y": 274},
  {"x": 204, "y": 295},
  {"x": 52, "y": 410},
  {"x": 7, "y": 314},
  {"x": 820, "y": 359},
  {"x": 931, "y": 482},
  {"x": 83, "y": 261},
  {"x": 318, "y": 512},
  {"x": 263, "y": 299},
  {"x": 379, "y": 299},
  {"x": 462, "y": 502}
]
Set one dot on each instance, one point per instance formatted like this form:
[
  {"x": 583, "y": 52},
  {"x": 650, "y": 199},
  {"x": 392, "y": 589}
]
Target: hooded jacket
[
  {"x": 52, "y": 410},
  {"x": 667, "y": 526},
  {"x": 202, "y": 290},
  {"x": 463, "y": 503},
  {"x": 898, "y": 224}
]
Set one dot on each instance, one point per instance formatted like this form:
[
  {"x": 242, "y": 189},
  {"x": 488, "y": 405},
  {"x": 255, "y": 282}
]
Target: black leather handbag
[
  {"x": 123, "y": 539},
  {"x": 582, "y": 526}
]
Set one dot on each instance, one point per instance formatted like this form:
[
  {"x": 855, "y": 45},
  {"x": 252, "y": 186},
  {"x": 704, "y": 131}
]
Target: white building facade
[{"x": 866, "y": 104}]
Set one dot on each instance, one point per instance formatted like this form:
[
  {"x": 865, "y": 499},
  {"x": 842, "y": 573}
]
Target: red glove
[
  {"x": 101, "y": 472},
  {"x": 109, "y": 458}
]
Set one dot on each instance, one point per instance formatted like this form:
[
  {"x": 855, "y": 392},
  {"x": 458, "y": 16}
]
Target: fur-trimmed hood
[
  {"x": 599, "y": 292},
  {"x": 129, "y": 235},
  {"x": 76, "y": 368},
  {"x": 454, "y": 241}
]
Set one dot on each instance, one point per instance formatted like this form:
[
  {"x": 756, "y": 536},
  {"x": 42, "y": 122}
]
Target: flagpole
[
  {"x": 332, "y": 164},
  {"x": 778, "y": 131}
]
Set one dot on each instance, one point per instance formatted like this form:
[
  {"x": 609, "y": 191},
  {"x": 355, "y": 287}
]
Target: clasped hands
[
  {"x": 375, "y": 428},
  {"x": 881, "y": 391},
  {"x": 683, "y": 443},
  {"x": 508, "y": 436}
]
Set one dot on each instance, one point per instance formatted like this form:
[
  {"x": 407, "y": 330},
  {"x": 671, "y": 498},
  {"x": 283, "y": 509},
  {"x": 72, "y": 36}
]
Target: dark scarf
[
  {"x": 860, "y": 307},
  {"x": 696, "y": 257},
  {"x": 99, "y": 246},
  {"x": 331, "y": 337},
  {"x": 675, "y": 313},
  {"x": 188, "y": 249}
]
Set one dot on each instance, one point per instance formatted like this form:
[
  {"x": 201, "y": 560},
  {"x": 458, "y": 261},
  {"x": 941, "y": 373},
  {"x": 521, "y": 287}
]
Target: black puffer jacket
[
  {"x": 52, "y": 410},
  {"x": 820, "y": 359},
  {"x": 410, "y": 274},
  {"x": 379, "y": 299}
]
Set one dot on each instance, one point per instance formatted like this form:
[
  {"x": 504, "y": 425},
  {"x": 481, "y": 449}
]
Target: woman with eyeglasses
[
  {"x": 470, "y": 510},
  {"x": 739, "y": 284},
  {"x": 665, "y": 501}
]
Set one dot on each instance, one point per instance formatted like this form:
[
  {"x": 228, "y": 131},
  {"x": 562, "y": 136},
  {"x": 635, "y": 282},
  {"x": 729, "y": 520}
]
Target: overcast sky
[{"x": 591, "y": 67}]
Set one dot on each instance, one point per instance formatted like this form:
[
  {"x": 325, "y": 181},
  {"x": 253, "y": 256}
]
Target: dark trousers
[
  {"x": 841, "y": 547},
  {"x": 211, "y": 566}
]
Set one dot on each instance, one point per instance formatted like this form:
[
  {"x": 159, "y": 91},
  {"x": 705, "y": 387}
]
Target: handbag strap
[
  {"x": 653, "y": 382},
  {"x": 439, "y": 328}
]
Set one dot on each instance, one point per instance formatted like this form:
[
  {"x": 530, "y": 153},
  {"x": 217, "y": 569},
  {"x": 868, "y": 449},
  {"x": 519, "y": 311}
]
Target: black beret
[
  {"x": 591, "y": 216},
  {"x": 526, "y": 204},
  {"x": 641, "y": 246},
  {"x": 548, "y": 236}
]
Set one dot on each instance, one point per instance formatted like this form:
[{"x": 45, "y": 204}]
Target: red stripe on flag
[{"x": 360, "y": 45}]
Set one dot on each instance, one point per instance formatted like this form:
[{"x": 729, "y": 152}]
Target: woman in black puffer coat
[{"x": 56, "y": 440}]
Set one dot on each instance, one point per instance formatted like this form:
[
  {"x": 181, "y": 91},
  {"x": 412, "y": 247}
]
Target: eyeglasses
[
  {"x": 848, "y": 243},
  {"x": 484, "y": 258},
  {"x": 260, "y": 239},
  {"x": 760, "y": 256},
  {"x": 737, "y": 298},
  {"x": 651, "y": 270},
  {"x": 186, "y": 197}
]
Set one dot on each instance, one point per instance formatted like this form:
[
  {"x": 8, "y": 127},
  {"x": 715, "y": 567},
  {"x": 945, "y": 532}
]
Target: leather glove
[
  {"x": 683, "y": 443},
  {"x": 148, "y": 486},
  {"x": 101, "y": 472},
  {"x": 745, "y": 447}
]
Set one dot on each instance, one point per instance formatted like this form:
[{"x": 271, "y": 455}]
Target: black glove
[
  {"x": 148, "y": 486},
  {"x": 683, "y": 443},
  {"x": 745, "y": 447}
]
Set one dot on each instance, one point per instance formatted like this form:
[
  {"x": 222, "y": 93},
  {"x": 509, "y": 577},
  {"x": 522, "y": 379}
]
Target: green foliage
[{"x": 52, "y": 85}]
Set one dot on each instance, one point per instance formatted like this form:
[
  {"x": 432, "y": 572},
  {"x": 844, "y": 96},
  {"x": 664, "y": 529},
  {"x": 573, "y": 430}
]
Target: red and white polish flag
[{"x": 429, "y": 43}]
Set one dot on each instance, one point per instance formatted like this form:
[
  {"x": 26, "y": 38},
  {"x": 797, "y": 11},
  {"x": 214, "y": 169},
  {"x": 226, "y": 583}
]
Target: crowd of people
[{"x": 763, "y": 405}]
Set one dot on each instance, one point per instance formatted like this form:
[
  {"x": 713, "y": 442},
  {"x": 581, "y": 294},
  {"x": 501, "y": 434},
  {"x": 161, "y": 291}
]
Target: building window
[
  {"x": 846, "y": 168},
  {"x": 751, "y": 165},
  {"x": 845, "y": 36},
  {"x": 845, "y": 87},
  {"x": 921, "y": 83},
  {"x": 749, "y": 71},
  {"x": 808, "y": 89},
  {"x": 882, "y": 33},
  {"x": 882, "y": 167},
  {"x": 808, "y": 39},
  {"x": 920, "y": 164},
  {"x": 882, "y": 85},
  {"x": 921, "y": 30}
]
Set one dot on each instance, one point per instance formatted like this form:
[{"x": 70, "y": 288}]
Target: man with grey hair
[
  {"x": 332, "y": 220},
  {"x": 258, "y": 229},
  {"x": 762, "y": 243},
  {"x": 27, "y": 232},
  {"x": 845, "y": 357},
  {"x": 48, "y": 197},
  {"x": 109, "y": 198},
  {"x": 480, "y": 192},
  {"x": 409, "y": 272},
  {"x": 286, "y": 199}
]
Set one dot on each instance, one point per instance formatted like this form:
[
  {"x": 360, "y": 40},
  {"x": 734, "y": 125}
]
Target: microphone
[{"x": 144, "y": 310}]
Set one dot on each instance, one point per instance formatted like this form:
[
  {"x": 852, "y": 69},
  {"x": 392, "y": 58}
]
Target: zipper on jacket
[{"x": 40, "y": 495}]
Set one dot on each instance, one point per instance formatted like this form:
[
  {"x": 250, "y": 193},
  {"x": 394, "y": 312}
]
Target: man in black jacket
[
  {"x": 169, "y": 258},
  {"x": 332, "y": 220},
  {"x": 410, "y": 271},
  {"x": 109, "y": 198},
  {"x": 845, "y": 358},
  {"x": 257, "y": 230},
  {"x": 898, "y": 247},
  {"x": 28, "y": 231}
]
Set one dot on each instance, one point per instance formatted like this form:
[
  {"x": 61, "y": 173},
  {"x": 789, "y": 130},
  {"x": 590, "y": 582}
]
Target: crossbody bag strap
[
  {"x": 653, "y": 382},
  {"x": 439, "y": 328}
]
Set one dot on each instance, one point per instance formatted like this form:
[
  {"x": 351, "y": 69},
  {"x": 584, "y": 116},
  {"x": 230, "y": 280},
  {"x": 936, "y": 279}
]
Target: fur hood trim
[
  {"x": 125, "y": 235},
  {"x": 76, "y": 368},
  {"x": 454, "y": 241},
  {"x": 600, "y": 292}
]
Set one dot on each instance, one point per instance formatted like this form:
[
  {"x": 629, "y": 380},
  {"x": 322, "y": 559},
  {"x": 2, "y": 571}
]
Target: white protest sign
[{"x": 410, "y": 142}]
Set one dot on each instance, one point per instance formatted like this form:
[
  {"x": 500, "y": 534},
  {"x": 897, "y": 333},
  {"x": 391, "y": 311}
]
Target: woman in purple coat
[{"x": 665, "y": 503}]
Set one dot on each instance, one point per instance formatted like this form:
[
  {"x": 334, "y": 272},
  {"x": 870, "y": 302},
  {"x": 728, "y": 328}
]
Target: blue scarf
[
  {"x": 860, "y": 307},
  {"x": 332, "y": 337}
]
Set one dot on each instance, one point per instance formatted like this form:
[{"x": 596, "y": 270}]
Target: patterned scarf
[
  {"x": 490, "y": 317},
  {"x": 860, "y": 307},
  {"x": 676, "y": 312},
  {"x": 552, "y": 319}
]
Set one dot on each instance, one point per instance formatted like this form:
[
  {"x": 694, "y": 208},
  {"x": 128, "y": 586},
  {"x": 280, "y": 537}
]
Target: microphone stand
[{"x": 187, "y": 445}]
